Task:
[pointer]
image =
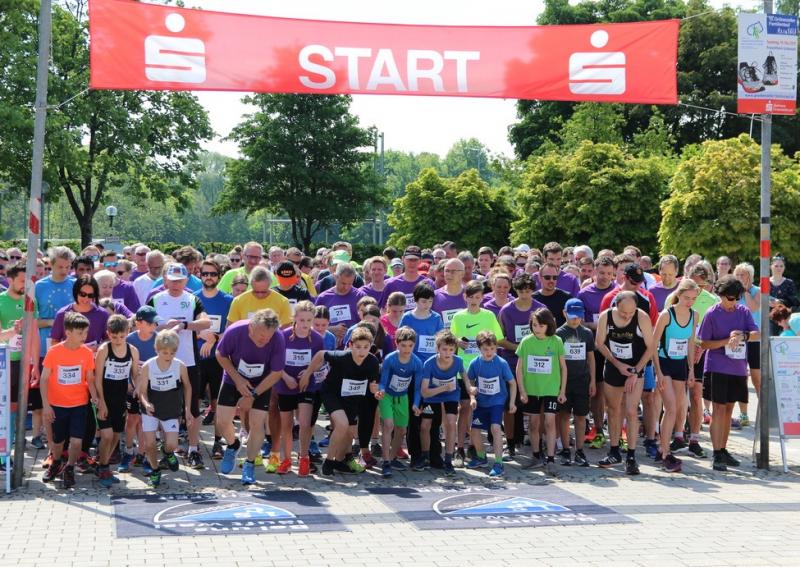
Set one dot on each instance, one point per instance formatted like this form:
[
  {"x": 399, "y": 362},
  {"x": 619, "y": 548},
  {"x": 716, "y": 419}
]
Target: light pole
[{"x": 111, "y": 212}]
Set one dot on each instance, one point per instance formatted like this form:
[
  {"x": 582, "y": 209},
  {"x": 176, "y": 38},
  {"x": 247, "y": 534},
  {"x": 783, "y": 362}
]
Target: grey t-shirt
[{"x": 578, "y": 346}]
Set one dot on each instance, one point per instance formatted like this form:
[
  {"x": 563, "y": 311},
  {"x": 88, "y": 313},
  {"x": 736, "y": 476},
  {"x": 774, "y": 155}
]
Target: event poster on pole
[
  {"x": 5, "y": 404},
  {"x": 786, "y": 372},
  {"x": 767, "y": 66}
]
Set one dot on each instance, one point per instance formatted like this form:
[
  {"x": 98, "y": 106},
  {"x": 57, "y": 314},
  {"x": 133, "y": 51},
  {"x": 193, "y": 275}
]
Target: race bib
[
  {"x": 399, "y": 383},
  {"x": 738, "y": 353},
  {"x": 353, "y": 387},
  {"x": 472, "y": 347},
  {"x": 410, "y": 303},
  {"x": 620, "y": 350},
  {"x": 163, "y": 382},
  {"x": 70, "y": 375},
  {"x": 250, "y": 370},
  {"x": 489, "y": 386},
  {"x": 15, "y": 343},
  {"x": 575, "y": 351},
  {"x": 117, "y": 370},
  {"x": 436, "y": 382},
  {"x": 292, "y": 305},
  {"x": 322, "y": 373},
  {"x": 427, "y": 344},
  {"x": 678, "y": 348},
  {"x": 298, "y": 356},
  {"x": 340, "y": 313},
  {"x": 540, "y": 364},
  {"x": 447, "y": 317},
  {"x": 520, "y": 332},
  {"x": 596, "y": 317},
  {"x": 216, "y": 323}
]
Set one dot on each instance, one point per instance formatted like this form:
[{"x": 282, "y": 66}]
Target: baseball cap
[
  {"x": 522, "y": 248},
  {"x": 147, "y": 314},
  {"x": 574, "y": 308},
  {"x": 794, "y": 323},
  {"x": 340, "y": 257},
  {"x": 427, "y": 256},
  {"x": 286, "y": 274},
  {"x": 396, "y": 262},
  {"x": 412, "y": 251},
  {"x": 634, "y": 273},
  {"x": 177, "y": 272}
]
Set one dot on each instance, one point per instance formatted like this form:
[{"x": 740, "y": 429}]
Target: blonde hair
[
  {"x": 167, "y": 340},
  {"x": 747, "y": 267},
  {"x": 301, "y": 307},
  {"x": 686, "y": 284}
]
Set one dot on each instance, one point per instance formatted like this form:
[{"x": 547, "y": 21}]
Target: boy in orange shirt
[{"x": 67, "y": 381}]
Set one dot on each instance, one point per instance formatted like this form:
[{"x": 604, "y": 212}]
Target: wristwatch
[{"x": 186, "y": 325}]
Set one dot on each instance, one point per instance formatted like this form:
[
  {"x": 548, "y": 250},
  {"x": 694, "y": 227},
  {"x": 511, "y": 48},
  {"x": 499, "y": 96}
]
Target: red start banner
[{"x": 144, "y": 46}]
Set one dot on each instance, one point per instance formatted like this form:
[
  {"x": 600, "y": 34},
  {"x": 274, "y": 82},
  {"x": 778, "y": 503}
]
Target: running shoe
[
  {"x": 420, "y": 465},
  {"x": 651, "y": 448},
  {"x": 386, "y": 469},
  {"x": 285, "y": 467},
  {"x": 719, "y": 463},
  {"x": 106, "y": 478},
  {"x": 534, "y": 463},
  {"x": 598, "y": 441},
  {"x": 48, "y": 460},
  {"x": 706, "y": 417},
  {"x": 623, "y": 444},
  {"x": 566, "y": 457},
  {"x": 325, "y": 442},
  {"x": 172, "y": 462},
  {"x": 147, "y": 470},
  {"x": 52, "y": 472},
  {"x": 458, "y": 459},
  {"x": 550, "y": 468},
  {"x": 736, "y": 424},
  {"x": 631, "y": 467},
  {"x": 162, "y": 464},
  {"x": 328, "y": 467},
  {"x": 749, "y": 79},
  {"x": 68, "y": 477},
  {"x": 471, "y": 452},
  {"x": 402, "y": 454},
  {"x": 272, "y": 463},
  {"x": 671, "y": 464},
  {"x": 744, "y": 421},
  {"x": 449, "y": 469},
  {"x": 367, "y": 460},
  {"x": 659, "y": 458},
  {"x": 86, "y": 464},
  {"x": 770, "y": 70},
  {"x": 266, "y": 447},
  {"x": 580, "y": 459},
  {"x": 696, "y": 450},
  {"x": 228, "y": 460},
  {"x": 313, "y": 452},
  {"x": 677, "y": 445},
  {"x": 196, "y": 461},
  {"x": 376, "y": 450},
  {"x": 507, "y": 457},
  {"x": 139, "y": 460},
  {"x": 37, "y": 442},
  {"x": 209, "y": 418},
  {"x": 249, "y": 473},
  {"x": 477, "y": 462},
  {"x": 303, "y": 466},
  {"x": 609, "y": 460},
  {"x": 729, "y": 459},
  {"x": 399, "y": 465},
  {"x": 125, "y": 463},
  {"x": 590, "y": 435},
  {"x": 155, "y": 478},
  {"x": 258, "y": 461},
  {"x": 497, "y": 470},
  {"x": 217, "y": 451},
  {"x": 353, "y": 466}
]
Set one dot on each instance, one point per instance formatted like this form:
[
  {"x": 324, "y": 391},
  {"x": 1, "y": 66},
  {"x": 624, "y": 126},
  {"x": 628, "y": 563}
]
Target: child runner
[
  {"x": 66, "y": 387},
  {"x": 492, "y": 377},
  {"x": 395, "y": 307},
  {"x": 581, "y": 380},
  {"x": 165, "y": 392},
  {"x": 116, "y": 365},
  {"x": 399, "y": 372},
  {"x": 542, "y": 379},
  {"x": 322, "y": 320}
]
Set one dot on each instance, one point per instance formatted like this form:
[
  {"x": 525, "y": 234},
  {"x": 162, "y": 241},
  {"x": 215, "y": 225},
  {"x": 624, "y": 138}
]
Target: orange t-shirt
[{"x": 70, "y": 371}]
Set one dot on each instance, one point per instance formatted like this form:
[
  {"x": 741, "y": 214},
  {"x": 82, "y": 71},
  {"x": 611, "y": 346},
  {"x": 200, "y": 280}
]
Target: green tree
[
  {"x": 303, "y": 155},
  {"x": 146, "y": 141},
  {"x": 593, "y": 121},
  {"x": 468, "y": 154},
  {"x": 597, "y": 195},
  {"x": 713, "y": 208},
  {"x": 464, "y": 209}
]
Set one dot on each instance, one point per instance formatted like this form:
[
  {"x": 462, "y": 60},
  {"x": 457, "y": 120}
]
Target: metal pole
[
  {"x": 30, "y": 332},
  {"x": 764, "y": 395}
]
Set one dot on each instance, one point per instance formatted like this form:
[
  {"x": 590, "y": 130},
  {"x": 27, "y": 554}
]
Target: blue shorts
[
  {"x": 484, "y": 417},
  {"x": 69, "y": 423},
  {"x": 649, "y": 378}
]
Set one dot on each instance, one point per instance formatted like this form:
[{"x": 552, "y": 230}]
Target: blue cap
[
  {"x": 177, "y": 272},
  {"x": 148, "y": 314},
  {"x": 574, "y": 309}
]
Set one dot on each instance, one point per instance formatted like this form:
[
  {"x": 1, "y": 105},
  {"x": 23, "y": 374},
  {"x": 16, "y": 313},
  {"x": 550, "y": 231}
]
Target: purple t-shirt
[
  {"x": 299, "y": 353},
  {"x": 98, "y": 317},
  {"x": 399, "y": 283},
  {"x": 718, "y": 324},
  {"x": 372, "y": 292},
  {"x": 448, "y": 305},
  {"x": 252, "y": 362},
  {"x": 135, "y": 274},
  {"x": 492, "y": 305},
  {"x": 592, "y": 296},
  {"x": 342, "y": 307},
  {"x": 127, "y": 293},
  {"x": 661, "y": 293},
  {"x": 516, "y": 326},
  {"x": 565, "y": 282}
]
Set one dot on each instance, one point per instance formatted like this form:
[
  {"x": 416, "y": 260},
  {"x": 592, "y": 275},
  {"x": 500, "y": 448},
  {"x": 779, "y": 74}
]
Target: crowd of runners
[{"x": 412, "y": 356}]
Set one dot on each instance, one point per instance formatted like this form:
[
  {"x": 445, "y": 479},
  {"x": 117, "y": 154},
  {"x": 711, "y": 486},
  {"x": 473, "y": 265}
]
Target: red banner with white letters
[{"x": 145, "y": 46}]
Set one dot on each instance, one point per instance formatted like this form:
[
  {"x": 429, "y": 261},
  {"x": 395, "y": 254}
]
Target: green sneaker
[
  {"x": 172, "y": 462},
  {"x": 598, "y": 441},
  {"x": 623, "y": 444},
  {"x": 272, "y": 464},
  {"x": 155, "y": 478},
  {"x": 744, "y": 421},
  {"x": 354, "y": 466}
]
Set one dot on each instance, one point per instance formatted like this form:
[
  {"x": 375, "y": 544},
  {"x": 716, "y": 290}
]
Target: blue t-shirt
[
  {"x": 491, "y": 378},
  {"x": 193, "y": 285},
  {"x": 426, "y": 330},
  {"x": 329, "y": 340},
  {"x": 216, "y": 308},
  {"x": 437, "y": 377},
  {"x": 50, "y": 297},
  {"x": 396, "y": 376},
  {"x": 147, "y": 349}
]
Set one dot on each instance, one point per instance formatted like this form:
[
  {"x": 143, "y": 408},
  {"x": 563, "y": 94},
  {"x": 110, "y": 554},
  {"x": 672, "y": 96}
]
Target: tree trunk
[{"x": 85, "y": 224}]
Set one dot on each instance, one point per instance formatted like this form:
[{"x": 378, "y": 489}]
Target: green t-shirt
[
  {"x": 12, "y": 310},
  {"x": 467, "y": 325},
  {"x": 226, "y": 283},
  {"x": 541, "y": 365}
]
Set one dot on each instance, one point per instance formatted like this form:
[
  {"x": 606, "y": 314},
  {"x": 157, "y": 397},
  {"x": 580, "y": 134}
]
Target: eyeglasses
[
  {"x": 253, "y": 257},
  {"x": 121, "y": 272},
  {"x": 141, "y": 253},
  {"x": 156, "y": 267},
  {"x": 209, "y": 274},
  {"x": 549, "y": 278},
  {"x": 84, "y": 294},
  {"x": 235, "y": 260},
  {"x": 48, "y": 269},
  {"x": 522, "y": 265},
  {"x": 15, "y": 257}
]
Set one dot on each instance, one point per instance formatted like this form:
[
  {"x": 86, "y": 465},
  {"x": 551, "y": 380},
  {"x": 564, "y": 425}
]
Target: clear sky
[{"x": 410, "y": 123}]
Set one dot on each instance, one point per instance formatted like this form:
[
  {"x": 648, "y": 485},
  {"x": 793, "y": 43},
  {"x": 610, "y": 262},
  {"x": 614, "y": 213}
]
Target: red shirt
[{"x": 608, "y": 299}]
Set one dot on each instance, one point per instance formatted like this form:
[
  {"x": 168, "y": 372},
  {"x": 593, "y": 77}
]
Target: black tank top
[
  {"x": 625, "y": 343},
  {"x": 164, "y": 389},
  {"x": 117, "y": 372}
]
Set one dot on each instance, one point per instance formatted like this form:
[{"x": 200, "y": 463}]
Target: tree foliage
[
  {"x": 303, "y": 155},
  {"x": 596, "y": 195},
  {"x": 713, "y": 208},
  {"x": 464, "y": 209}
]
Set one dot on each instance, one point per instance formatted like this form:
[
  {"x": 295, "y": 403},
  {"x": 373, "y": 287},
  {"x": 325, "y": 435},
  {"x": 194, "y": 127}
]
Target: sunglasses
[
  {"x": 15, "y": 257},
  {"x": 84, "y": 294},
  {"x": 141, "y": 253},
  {"x": 209, "y": 274},
  {"x": 731, "y": 297},
  {"x": 236, "y": 260},
  {"x": 522, "y": 265},
  {"x": 550, "y": 278},
  {"x": 121, "y": 272}
]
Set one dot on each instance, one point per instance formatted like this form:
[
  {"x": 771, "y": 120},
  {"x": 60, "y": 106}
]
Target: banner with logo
[
  {"x": 767, "y": 67},
  {"x": 143, "y": 46},
  {"x": 5, "y": 402}
]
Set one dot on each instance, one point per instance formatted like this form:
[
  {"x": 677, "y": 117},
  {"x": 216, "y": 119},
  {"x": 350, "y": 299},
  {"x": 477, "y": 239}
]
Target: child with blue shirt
[
  {"x": 423, "y": 321},
  {"x": 492, "y": 377},
  {"x": 399, "y": 371}
]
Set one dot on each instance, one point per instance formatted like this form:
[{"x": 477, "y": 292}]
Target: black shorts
[
  {"x": 15, "y": 367},
  {"x": 537, "y": 404},
  {"x": 69, "y": 423},
  {"x": 721, "y": 388},
  {"x": 35, "y": 399},
  {"x": 675, "y": 368},
  {"x": 210, "y": 375},
  {"x": 229, "y": 396},
  {"x": 754, "y": 355},
  {"x": 115, "y": 395},
  {"x": 463, "y": 394},
  {"x": 612, "y": 377},
  {"x": 351, "y": 405},
  {"x": 288, "y": 402},
  {"x": 194, "y": 380},
  {"x": 698, "y": 368},
  {"x": 431, "y": 411},
  {"x": 132, "y": 404},
  {"x": 577, "y": 399}
]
